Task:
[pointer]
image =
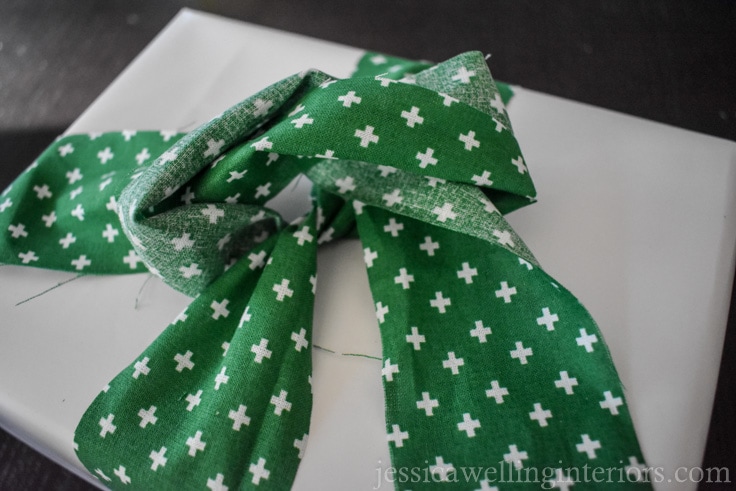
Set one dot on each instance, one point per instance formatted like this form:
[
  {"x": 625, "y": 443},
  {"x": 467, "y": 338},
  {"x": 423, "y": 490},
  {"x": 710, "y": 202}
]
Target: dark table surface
[{"x": 668, "y": 61}]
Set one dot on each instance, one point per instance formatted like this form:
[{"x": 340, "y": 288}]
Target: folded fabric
[{"x": 493, "y": 372}]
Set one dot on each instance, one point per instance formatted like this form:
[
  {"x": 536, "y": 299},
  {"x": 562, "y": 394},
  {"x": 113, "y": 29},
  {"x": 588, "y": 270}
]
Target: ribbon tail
[
  {"x": 492, "y": 371},
  {"x": 223, "y": 396}
]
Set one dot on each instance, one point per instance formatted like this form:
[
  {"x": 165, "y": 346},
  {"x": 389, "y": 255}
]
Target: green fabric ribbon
[{"x": 487, "y": 361}]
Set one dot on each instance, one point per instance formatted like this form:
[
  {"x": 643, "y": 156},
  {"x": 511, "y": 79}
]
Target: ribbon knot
[
  {"x": 350, "y": 139},
  {"x": 491, "y": 369}
]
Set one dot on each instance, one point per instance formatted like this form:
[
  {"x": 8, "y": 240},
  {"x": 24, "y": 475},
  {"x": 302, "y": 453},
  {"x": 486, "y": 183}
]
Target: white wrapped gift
[{"x": 636, "y": 218}]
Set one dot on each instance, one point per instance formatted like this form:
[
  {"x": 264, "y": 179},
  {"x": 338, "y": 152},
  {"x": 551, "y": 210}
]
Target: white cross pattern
[
  {"x": 469, "y": 141},
  {"x": 142, "y": 156},
  {"x": 504, "y": 238},
  {"x": 588, "y": 446},
  {"x": 467, "y": 273},
  {"x": 480, "y": 331},
  {"x": 183, "y": 242},
  {"x": 415, "y": 338},
  {"x": 412, "y": 117},
  {"x": 42, "y": 191},
  {"x": 132, "y": 259},
  {"x": 463, "y": 75},
  {"x": 49, "y": 219},
  {"x": 239, "y": 418},
  {"x": 190, "y": 271},
  {"x": 105, "y": 155},
  {"x": 18, "y": 231},
  {"x": 158, "y": 458},
  {"x": 217, "y": 484},
  {"x": 635, "y": 468},
  {"x": 349, "y": 99},
  {"x": 5, "y": 205},
  {"x": 394, "y": 198},
  {"x": 236, "y": 176},
  {"x": 447, "y": 99},
  {"x": 194, "y": 400},
  {"x": 147, "y": 416},
  {"x": 540, "y": 415},
  {"x": 426, "y": 158},
  {"x": 213, "y": 213},
  {"x": 547, "y": 319},
  {"x": 107, "y": 426},
  {"x": 282, "y": 290},
  {"x": 27, "y": 257},
  {"x": 497, "y": 392},
  {"x": 442, "y": 468},
  {"x": 261, "y": 107},
  {"x": 74, "y": 175},
  {"x": 444, "y": 213},
  {"x": 433, "y": 181},
  {"x": 262, "y": 144},
  {"x": 429, "y": 246},
  {"x": 110, "y": 233},
  {"x": 120, "y": 472},
  {"x": 393, "y": 227},
  {"x": 521, "y": 353},
  {"x": 78, "y": 212},
  {"x": 519, "y": 163},
  {"x": 468, "y": 425},
  {"x": 213, "y": 148},
  {"x": 65, "y": 150},
  {"x": 100, "y": 473},
  {"x": 453, "y": 363},
  {"x": 483, "y": 179},
  {"x": 397, "y": 436},
  {"x": 369, "y": 256},
  {"x": 497, "y": 103},
  {"x": 611, "y": 403},
  {"x": 301, "y": 121},
  {"x": 427, "y": 404},
  {"x": 280, "y": 403},
  {"x": 366, "y": 136},
  {"x": 499, "y": 125},
  {"x": 516, "y": 456},
  {"x": 381, "y": 311},
  {"x": 566, "y": 382},
  {"x": 261, "y": 350},
  {"x": 300, "y": 339},
  {"x": 561, "y": 481},
  {"x": 257, "y": 260},
  {"x": 184, "y": 361},
  {"x": 220, "y": 308},
  {"x": 404, "y": 279},
  {"x": 345, "y": 185},
  {"x": 76, "y": 192},
  {"x": 440, "y": 303},
  {"x": 221, "y": 378},
  {"x": 259, "y": 471},
  {"x": 389, "y": 370},
  {"x": 188, "y": 196},
  {"x": 386, "y": 170},
  {"x": 195, "y": 444},
  {"x": 141, "y": 367},
  {"x": 586, "y": 340},
  {"x": 301, "y": 445},
  {"x": 505, "y": 292}
]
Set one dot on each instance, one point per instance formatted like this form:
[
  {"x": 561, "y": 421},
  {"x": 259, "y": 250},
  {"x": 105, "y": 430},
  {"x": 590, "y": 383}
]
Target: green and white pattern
[{"x": 487, "y": 361}]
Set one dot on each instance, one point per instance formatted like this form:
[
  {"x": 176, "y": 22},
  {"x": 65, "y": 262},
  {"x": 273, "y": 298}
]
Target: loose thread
[
  {"x": 346, "y": 354},
  {"x": 49, "y": 289},
  {"x": 140, "y": 290}
]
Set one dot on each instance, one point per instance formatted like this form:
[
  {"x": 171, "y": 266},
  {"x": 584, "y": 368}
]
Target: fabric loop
[{"x": 311, "y": 118}]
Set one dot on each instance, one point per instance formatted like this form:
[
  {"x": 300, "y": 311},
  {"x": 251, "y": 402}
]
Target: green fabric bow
[{"x": 488, "y": 363}]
